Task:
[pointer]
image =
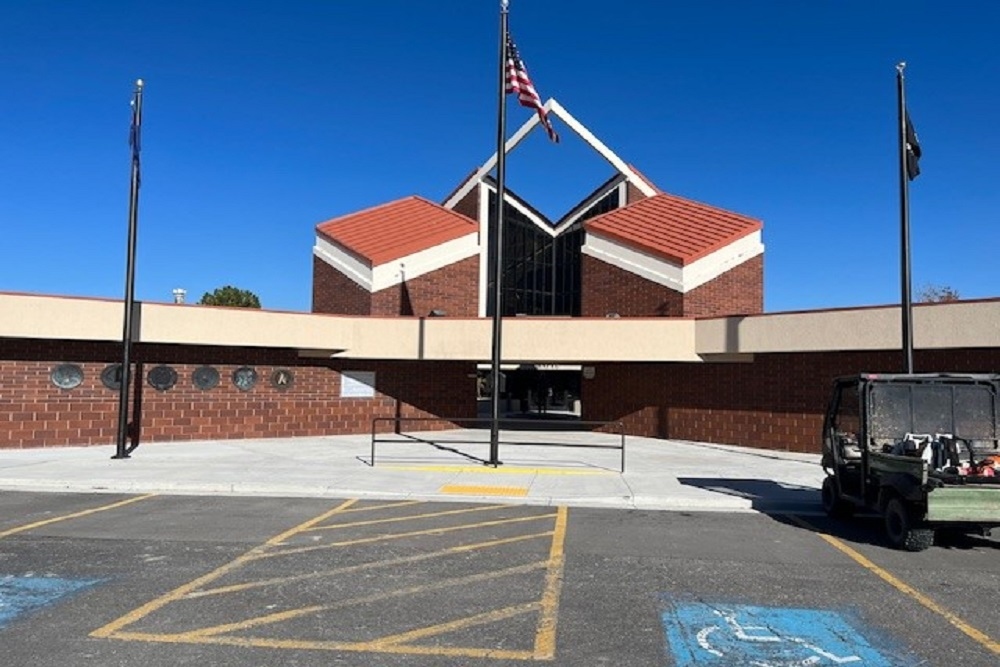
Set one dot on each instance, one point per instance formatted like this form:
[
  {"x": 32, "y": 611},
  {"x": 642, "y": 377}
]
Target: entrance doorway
[{"x": 530, "y": 390}]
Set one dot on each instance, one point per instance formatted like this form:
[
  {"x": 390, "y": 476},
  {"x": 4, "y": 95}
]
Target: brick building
[{"x": 644, "y": 306}]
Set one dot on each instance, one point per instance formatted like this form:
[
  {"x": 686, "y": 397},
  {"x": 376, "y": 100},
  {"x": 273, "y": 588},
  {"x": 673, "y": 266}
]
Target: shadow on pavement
[
  {"x": 765, "y": 495},
  {"x": 868, "y": 529}
]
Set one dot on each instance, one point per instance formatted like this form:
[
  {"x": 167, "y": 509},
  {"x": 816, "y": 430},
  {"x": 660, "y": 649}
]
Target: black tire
[
  {"x": 834, "y": 506},
  {"x": 900, "y": 530}
]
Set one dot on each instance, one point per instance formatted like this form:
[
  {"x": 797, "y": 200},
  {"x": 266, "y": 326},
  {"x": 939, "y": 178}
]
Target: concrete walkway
[{"x": 572, "y": 468}]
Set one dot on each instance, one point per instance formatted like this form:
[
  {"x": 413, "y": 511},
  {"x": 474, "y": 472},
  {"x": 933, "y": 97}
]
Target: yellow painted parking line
[
  {"x": 473, "y": 490},
  {"x": 74, "y": 515},
  {"x": 545, "y": 637},
  {"x": 382, "y": 506},
  {"x": 503, "y": 470},
  {"x": 305, "y": 645},
  {"x": 977, "y": 635}
]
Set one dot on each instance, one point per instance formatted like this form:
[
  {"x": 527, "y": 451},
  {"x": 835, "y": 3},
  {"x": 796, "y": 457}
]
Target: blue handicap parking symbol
[
  {"x": 22, "y": 595},
  {"x": 700, "y": 633}
]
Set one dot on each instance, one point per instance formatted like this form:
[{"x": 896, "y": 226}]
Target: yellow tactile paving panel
[
  {"x": 476, "y": 490},
  {"x": 403, "y": 577}
]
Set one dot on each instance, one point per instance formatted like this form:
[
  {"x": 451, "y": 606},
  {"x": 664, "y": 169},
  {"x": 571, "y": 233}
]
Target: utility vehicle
[{"x": 921, "y": 450}]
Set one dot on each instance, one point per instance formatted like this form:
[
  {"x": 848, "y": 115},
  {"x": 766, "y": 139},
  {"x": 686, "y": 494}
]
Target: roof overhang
[{"x": 964, "y": 324}]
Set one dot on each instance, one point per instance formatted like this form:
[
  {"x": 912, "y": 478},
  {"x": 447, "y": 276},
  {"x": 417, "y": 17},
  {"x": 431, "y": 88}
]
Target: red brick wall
[
  {"x": 738, "y": 291},
  {"x": 452, "y": 289},
  {"x": 333, "y": 292},
  {"x": 776, "y": 402},
  {"x": 469, "y": 204},
  {"x": 609, "y": 289},
  {"x": 632, "y": 194},
  {"x": 35, "y": 413}
]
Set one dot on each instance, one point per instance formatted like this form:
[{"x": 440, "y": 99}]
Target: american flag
[{"x": 519, "y": 82}]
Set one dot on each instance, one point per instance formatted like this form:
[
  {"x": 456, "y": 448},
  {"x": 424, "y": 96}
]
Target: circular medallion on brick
[
  {"x": 67, "y": 376},
  {"x": 111, "y": 377},
  {"x": 244, "y": 378},
  {"x": 282, "y": 379},
  {"x": 162, "y": 378},
  {"x": 205, "y": 378}
]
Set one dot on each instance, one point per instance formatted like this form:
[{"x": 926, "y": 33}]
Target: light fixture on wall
[
  {"x": 437, "y": 312},
  {"x": 613, "y": 315}
]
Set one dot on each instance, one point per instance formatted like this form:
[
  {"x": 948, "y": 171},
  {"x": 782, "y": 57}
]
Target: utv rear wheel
[
  {"x": 900, "y": 530},
  {"x": 834, "y": 506}
]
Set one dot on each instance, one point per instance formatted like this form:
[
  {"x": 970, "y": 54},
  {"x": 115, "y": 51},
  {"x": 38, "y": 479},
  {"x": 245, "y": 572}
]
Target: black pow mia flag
[{"x": 912, "y": 150}]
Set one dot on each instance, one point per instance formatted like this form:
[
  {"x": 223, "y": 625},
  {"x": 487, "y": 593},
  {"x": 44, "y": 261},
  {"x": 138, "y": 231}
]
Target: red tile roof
[
  {"x": 390, "y": 231},
  {"x": 672, "y": 227}
]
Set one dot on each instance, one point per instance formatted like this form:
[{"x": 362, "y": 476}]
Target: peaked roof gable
[
  {"x": 554, "y": 109},
  {"x": 677, "y": 229},
  {"x": 397, "y": 229}
]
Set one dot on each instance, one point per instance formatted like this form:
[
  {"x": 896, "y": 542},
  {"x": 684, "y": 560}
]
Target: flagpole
[
  {"x": 904, "y": 213},
  {"x": 121, "y": 452},
  {"x": 496, "y": 245}
]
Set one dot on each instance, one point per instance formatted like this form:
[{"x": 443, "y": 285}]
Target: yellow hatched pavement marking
[
  {"x": 977, "y": 635},
  {"x": 485, "y": 490},
  {"x": 74, "y": 515},
  {"x": 145, "y": 610},
  {"x": 410, "y": 517},
  {"x": 398, "y": 536},
  {"x": 546, "y": 606},
  {"x": 458, "y": 624},
  {"x": 278, "y": 617},
  {"x": 404, "y": 560}
]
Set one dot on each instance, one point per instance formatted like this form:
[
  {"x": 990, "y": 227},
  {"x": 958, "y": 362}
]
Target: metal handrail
[{"x": 397, "y": 421}]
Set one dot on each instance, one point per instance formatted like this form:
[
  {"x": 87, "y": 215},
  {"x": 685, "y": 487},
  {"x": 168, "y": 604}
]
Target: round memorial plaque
[
  {"x": 205, "y": 378},
  {"x": 162, "y": 378},
  {"x": 67, "y": 376},
  {"x": 282, "y": 379},
  {"x": 111, "y": 377},
  {"x": 244, "y": 378}
]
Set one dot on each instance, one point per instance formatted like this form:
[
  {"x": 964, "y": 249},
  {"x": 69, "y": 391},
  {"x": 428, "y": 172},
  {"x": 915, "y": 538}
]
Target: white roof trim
[
  {"x": 405, "y": 268},
  {"x": 344, "y": 262},
  {"x": 663, "y": 272},
  {"x": 585, "y": 206},
  {"x": 553, "y": 107},
  {"x": 424, "y": 261},
  {"x": 599, "y": 146},
  {"x": 520, "y": 206}
]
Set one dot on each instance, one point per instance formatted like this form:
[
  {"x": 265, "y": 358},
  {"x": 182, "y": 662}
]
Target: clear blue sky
[{"x": 262, "y": 119}]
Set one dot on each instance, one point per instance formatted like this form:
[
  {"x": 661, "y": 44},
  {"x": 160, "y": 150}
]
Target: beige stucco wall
[
  {"x": 945, "y": 325},
  {"x": 525, "y": 339}
]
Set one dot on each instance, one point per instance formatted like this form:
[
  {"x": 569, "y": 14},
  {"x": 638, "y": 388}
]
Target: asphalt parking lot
[{"x": 176, "y": 580}]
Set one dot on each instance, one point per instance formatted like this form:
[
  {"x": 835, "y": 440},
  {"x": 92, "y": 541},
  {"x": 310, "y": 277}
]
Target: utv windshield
[{"x": 966, "y": 411}]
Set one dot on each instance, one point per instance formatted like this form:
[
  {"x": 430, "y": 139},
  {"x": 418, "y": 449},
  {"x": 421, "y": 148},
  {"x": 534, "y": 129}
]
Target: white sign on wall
[{"x": 357, "y": 384}]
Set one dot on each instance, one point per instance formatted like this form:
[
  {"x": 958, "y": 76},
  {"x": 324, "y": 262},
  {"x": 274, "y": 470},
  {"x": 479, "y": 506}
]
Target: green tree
[
  {"x": 230, "y": 296},
  {"x": 937, "y": 294}
]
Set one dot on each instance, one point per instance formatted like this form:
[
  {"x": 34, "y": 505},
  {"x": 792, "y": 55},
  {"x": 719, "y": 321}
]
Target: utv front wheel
[
  {"x": 900, "y": 530},
  {"x": 834, "y": 506}
]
